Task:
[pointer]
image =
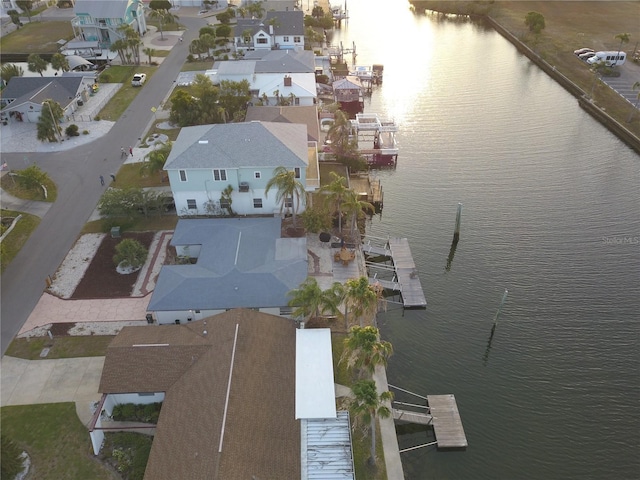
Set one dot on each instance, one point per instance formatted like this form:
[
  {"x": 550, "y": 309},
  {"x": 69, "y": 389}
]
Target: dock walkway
[{"x": 405, "y": 280}]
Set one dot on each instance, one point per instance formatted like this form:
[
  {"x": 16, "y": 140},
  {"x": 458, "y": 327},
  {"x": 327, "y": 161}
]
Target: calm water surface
[{"x": 551, "y": 213}]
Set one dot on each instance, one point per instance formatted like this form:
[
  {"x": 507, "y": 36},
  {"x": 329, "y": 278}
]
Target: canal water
[{"x": 551, "y": 212}]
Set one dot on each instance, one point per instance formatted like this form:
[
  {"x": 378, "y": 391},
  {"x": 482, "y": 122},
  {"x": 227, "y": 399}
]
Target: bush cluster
[{"x": 130, "y": 412}]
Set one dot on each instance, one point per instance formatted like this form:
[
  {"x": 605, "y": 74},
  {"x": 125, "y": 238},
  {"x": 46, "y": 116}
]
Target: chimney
[
  {"x": 287, "y": 81},
  {"x": 270, "y": 29}
]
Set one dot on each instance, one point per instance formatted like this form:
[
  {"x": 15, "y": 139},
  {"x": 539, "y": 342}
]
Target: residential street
[{"x": 76, "y": 173}]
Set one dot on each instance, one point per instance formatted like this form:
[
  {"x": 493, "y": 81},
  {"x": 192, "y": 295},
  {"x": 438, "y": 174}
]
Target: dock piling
[{"x": 456, "y": 233}]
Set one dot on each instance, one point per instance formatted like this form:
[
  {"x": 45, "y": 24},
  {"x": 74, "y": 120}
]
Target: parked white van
[{"x": 610, "y": 59}]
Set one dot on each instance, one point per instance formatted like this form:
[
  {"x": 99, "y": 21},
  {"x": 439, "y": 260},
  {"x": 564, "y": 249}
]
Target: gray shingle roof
[
  {"x": 261, "y": 436},
  {"x": 287, "y": 23},
  {"x": 243, "y": 262},
  {"x": 38, "y": 89},
  {"x": 239, "y": 145}
]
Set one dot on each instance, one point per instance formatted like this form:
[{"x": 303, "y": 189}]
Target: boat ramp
[{"x": 403, "y": 272}]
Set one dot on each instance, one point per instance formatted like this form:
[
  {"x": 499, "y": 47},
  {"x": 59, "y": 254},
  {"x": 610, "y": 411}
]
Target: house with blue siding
[
  {"x": 96, "y": 22},
  {"x": 223, "y": 169}
]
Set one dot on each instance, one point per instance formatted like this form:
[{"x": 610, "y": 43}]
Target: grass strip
[{"x": 56, "y": 441}]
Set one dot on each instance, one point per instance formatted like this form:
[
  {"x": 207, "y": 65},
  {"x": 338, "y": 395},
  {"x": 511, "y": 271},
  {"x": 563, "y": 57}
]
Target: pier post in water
[{"x": 456, "y": 232}]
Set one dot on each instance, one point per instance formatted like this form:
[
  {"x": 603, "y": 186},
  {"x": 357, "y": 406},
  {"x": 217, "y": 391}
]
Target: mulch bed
[
  {"x": 61, "y": 329},
  {"x": 101, "y": 280}
]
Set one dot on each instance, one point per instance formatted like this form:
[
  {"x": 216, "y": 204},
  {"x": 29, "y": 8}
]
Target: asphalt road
[{"x": 76, "y": 174}]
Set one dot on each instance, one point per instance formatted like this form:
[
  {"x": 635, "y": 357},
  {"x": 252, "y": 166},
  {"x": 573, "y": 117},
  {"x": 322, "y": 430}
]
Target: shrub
[
  {"x": 72, "y": 130},
  {"x": 130, "y": 253},
  {"x": 190, "y": 58},
  {"x": 85, "y": 132},
  {"x": 97, "y": 118}
]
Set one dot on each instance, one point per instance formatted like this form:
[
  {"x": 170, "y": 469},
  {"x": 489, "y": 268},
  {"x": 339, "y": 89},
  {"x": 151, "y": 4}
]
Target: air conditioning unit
[{"x": 243, "y": 187}]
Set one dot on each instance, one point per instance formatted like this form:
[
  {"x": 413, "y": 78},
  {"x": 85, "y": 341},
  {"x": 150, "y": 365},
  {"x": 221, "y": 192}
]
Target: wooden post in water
[{"x": 456, "y": 233}]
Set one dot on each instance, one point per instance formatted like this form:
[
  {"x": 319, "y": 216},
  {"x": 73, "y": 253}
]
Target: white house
[
  {"x": 23, "y": 97},
  {"x": 208, "y": 159},
  {"x": 277, "y": 31},
  {"x": 275, "y": 77}
]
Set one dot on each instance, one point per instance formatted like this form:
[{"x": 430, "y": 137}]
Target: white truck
[{"x": 610, "y": 59}]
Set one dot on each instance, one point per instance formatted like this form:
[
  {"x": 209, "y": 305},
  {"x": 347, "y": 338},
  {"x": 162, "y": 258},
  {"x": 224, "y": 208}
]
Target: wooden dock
[
  {"x": 441, "y": 413},
  {"x": 406, "y": 279},
  {"x": 447, "y": 424}
]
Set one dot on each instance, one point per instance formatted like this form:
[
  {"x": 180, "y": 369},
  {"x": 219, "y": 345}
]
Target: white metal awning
[{"x": 315, "y": 389}]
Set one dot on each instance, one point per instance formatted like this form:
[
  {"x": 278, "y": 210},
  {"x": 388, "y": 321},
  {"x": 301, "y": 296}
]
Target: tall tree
[
  {"x": 624, "y": 38},
  {"x": 10, "y": 70},
  {"x": 364, "y": 350},
  {"x": 48, "y": 122},
  {"x": 164, "y": 17},
  {"x": 36, "y": 64},
  {"x": 636, "y": 86},
  {"x": 311, "y": 301},
  {"x": 184, "y": 109},
  {"x": 361, "y": 298},
  {"x": 256, "y": 9},
  {"x": 335, "y": 192},
  {"x": 156, "y": 159},
  {"x": 234, "y": 96},
  {"x": 25, "y": 6},
  {"x": 150, "y": 52},
  {"x": 32, "y": 177},
  {"x": 289, "y": 189},
  {"x": 340, "y": 132},
  {"x": 160, "y": 5},
  {"x": 59, "y": 62},
  {"x": 535, "y": 22},
  {"x": 368, "y": 405},
  {"x": 355, "y": 209},
  {"x": 15, "y": 18}
]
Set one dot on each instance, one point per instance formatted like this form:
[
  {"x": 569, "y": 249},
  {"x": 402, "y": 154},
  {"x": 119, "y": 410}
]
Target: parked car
[
  {"x": 586, "y": 56},
  {"x": 580, "y": 51},
  {"x": 139, "y": 79}
]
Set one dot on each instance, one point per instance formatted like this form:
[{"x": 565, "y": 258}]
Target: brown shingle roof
[{"x": 261, "y": 436}]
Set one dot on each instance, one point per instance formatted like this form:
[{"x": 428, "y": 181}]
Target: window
[
  {"x": 257, "y": 203},
  {"x": 296, "y": 39},
  {"x": 296, "y": 101},
  {"x": 285, "y": 39},
  {"x": 146, "y": 394},
  {"x": 297, "y": 170},
  {"x": 288, "y": 202},
  {"x": 262, "y": 41},
  {"x": 257, "y": 174},
  {"x": 191, "y": 204},
  {"x": 286, "y": 311},
  {"x": 219, "y": 175},
  {"x": 183, "y": 175}
]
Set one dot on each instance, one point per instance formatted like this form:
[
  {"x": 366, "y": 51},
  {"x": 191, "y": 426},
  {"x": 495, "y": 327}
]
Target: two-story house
[
  {"x": 278, "y": 30},
  {"x": 275, "y": 77},
  {"x": 96, "y": 22},
  {"x": 208, "y": 159}
]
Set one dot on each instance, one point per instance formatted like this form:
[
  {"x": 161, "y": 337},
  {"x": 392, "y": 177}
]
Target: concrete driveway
[{"x": 28, "y": 382}]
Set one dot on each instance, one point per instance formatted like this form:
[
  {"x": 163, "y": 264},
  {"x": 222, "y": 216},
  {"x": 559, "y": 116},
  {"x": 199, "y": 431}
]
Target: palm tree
[
  {"x": 311, "y": 301},
  {"x": 368, "y": 405},
  {"x": 339, "y": 132},
  {"x": 10, "y": 70},
  {"x": 336, "y": 192},
  {"x": 150, "y": 52},
  {"x": 59, "y": 62},
  {"x": 363, "y": 349},
  {"x": 156, "y": 159},
  {"x": 163, "y": 16},
  {"x": 35, "y": 63},
  {"x": 196, "y": 47},
  {"x": 624, "y": 38},
  {"x": 597, "y": 68},
  {"x": 120, "y": 46},
  {"x": 355, "y": 209},
  {"x": 289, "y": 189},
  {"x": 361, "y": 298}
]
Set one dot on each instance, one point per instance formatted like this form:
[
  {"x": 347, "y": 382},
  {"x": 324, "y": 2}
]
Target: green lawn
[
  {"x": 10, "y": 184},
  {"x": 121, "y": 100},
  {"x": 60, "y": 347},
  {"x": 18, "y": 236},
  {"x": 36, "y": 37},
  {"x": 56, "y": 441},
  {"x": 197, "y": 66}
]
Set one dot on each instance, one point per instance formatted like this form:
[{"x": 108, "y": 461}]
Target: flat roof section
[{"x": 315, "y": 389}]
